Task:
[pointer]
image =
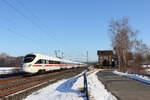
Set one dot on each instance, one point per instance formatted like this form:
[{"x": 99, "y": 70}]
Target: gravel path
[{"x": 124, "y": 88}]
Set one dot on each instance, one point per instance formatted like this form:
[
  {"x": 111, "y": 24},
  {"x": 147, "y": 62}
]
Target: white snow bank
[
  {"x": 96, "y": 88},
  {"x": 58, "y": 91},
  {"x": 142, "y": 78},
  {"x": 8, "y": 70},
  {"x": 69, "y": 90}
]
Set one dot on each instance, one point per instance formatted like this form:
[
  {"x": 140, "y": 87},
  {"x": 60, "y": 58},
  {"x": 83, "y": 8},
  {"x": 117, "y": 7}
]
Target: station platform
[{"x": 124, "y": 88}]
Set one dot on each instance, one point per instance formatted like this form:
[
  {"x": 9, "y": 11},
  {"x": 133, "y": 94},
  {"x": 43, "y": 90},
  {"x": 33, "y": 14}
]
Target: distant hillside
[{"x": 10, "y": 61}]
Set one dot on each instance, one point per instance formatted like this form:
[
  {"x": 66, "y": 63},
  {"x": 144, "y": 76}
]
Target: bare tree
[
  {"x": 148, "y": 58},
  {"x": 141, "y": 55},
  {"x": 137, "y": 62},
  {"x": 10, "y": 61},
  {"x": 122, "y": 37}
]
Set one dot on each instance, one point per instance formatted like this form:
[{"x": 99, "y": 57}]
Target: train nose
[
  {"x": 25, "y": 67},
  {"x": 22, "y": 68}
]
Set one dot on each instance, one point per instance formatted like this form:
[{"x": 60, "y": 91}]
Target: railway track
[{"x": 10, "y": 87}]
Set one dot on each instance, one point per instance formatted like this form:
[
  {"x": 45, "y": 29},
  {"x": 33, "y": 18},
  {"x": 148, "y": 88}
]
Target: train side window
[
  {"x": 39, "y": 61},
  {"x": 47, "y": 62},
  {"x": 54, "y": 62},
  {"x": 57, "y": 62},
  {"x": 51, "y": 62},
  {"x": 43, "y": 61},
  {"x": 62, "y": 62}
]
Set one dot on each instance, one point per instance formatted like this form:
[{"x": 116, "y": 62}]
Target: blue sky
[{"x": 71, "y": 26}]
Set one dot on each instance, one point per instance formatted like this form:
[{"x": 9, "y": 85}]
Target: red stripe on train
[
  {"x": 53, "y": 65},
  {"x": 37, "y": 65}
]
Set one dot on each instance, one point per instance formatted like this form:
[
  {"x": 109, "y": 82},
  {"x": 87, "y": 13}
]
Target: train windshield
[{"x": 29, "y": 58}]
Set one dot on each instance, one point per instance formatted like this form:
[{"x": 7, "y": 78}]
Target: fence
[{"x": 86, "y": 86}]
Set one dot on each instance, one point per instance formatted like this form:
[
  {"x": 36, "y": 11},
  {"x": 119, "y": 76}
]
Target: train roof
[
  {"x": 51, "y": 58},
  {"x": 45, "y": 56}
]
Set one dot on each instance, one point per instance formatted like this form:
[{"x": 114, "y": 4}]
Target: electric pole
[
  {"x": 87, "y": 54},
  {"x": 62, "y": 55},
  {"x": 56, "y": 53}
]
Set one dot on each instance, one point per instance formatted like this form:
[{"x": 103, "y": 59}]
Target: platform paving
[{"x": 124, "y": 88}]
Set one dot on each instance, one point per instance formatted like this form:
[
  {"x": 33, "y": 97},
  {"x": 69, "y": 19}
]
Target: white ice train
[{"x": 35, "y": 62}]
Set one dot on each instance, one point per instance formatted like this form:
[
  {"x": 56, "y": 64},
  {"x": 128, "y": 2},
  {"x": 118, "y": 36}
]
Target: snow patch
[
  {"x": 141, "y": 78},
  {"x": 98, "y": 89},
  {"x": 58, "y": 91},
  {"x": 69, "y": 90},
  {"x": 8, "y": 70}
]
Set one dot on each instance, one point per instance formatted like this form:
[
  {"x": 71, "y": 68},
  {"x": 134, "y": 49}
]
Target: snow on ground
[
  {"x": 7, "y": 70},
  {"x": 96, "y": 88},
  {"x": 144, "y": 79},
  {"x": 69, "y": 90}
]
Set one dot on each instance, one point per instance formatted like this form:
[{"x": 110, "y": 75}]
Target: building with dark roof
[{"x": 106, "y": 58}]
